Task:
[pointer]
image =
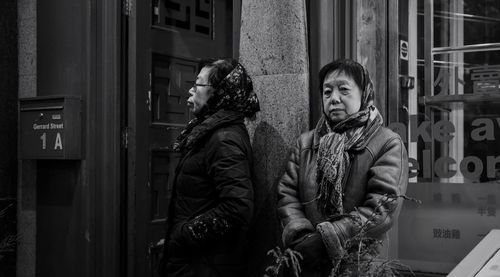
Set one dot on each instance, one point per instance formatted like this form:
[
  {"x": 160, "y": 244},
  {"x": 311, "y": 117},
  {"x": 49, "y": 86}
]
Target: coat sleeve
[
  {"x": 229, "y": 168},
  {"x": 290, "y": 207},
  {"x": 387, "y": 180}
]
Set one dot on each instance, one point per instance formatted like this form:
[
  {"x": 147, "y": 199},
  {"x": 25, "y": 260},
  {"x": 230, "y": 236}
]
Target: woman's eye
[
  {"x": 327, "y": 92},
  {"x": 344, "y": 90}
]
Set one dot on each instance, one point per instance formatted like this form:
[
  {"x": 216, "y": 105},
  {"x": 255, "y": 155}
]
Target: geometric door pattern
[
  {"x": 171, "y": 80},
  {"x": 193, "y": 16}
]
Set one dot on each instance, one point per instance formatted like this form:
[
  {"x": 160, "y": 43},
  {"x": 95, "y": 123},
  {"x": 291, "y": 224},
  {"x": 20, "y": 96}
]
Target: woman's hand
[
  {"x": 313, "y": 250},
  {"x": 179, "y": 242}
]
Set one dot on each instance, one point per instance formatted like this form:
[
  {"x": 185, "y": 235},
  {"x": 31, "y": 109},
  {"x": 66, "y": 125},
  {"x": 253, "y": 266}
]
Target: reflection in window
[
  {"x": 453, "y": 133},
  {"x": 479, "y": 20},
  {"x": 460, "y": 114}
]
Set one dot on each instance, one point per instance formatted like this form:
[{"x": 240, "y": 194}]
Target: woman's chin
[{"x": 335, "y": 119}]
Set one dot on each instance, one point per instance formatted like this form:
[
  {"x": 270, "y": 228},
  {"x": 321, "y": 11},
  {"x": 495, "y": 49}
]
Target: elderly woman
[
  {"x": 212, "y": 201},
  {"x": 343, "y": 178}
]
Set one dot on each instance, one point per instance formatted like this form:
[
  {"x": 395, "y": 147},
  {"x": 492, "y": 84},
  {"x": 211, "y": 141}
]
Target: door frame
[
  {"x": 108, "y": 179},
  {"x": 330, "y": 38},
  {"x": 131, "y": 44},
  {"x": 102, "y": 166}
]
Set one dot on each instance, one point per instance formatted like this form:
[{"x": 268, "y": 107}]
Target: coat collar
[{"x": 209, "y": 124}]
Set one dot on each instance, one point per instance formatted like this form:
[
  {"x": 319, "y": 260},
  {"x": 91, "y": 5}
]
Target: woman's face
[
  {"x": 200, "y": 92},
  {"x": 341, "y": 96}
]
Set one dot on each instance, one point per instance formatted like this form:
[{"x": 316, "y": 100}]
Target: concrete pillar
[
  {"x": 273, "y": 48},
  {"x": 26, "y": 196}
]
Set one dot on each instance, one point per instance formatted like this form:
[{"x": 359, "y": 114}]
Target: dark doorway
[{"x": 167, "y": 39}]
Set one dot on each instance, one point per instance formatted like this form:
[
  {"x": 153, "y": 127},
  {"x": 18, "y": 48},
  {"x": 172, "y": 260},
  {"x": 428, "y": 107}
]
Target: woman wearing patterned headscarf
[
  {"x": 344, "y": 177},
  {"x": 212, "y": 198}
]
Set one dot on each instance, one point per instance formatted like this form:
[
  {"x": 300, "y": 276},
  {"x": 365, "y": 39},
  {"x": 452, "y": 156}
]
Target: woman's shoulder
[
  {"x": 387, "y": 133},
  {"x": 307, "y": 135},
  {"x": 383, "y": 137},
  {"x": 229, "y": 132},
  {"x": 306, "y": 139}
]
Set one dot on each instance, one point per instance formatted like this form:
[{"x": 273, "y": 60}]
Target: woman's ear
[{"x": 211, "y": 92}]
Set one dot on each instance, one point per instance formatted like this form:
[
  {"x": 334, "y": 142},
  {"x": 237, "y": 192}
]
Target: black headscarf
[
  {"x": 232, "y": 99},
  {"x": 235, "y": 93}
]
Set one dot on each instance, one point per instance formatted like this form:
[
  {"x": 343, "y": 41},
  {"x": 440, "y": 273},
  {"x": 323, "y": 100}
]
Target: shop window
[{"x": 452, "y": 133}]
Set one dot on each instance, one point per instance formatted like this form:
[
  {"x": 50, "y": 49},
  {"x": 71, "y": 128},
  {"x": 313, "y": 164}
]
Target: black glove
[
  {"x": 179, "y": 243},
  {"x": 313, "y": 250}
]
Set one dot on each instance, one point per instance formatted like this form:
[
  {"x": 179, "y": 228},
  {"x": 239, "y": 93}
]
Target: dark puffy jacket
[
  {"x": 212, "y": 205},
  {"x": 379, "y": 169}
]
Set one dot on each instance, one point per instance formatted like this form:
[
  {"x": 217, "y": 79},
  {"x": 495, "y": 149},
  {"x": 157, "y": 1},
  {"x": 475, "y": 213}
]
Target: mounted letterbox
[{"x": 51, "y": 127}]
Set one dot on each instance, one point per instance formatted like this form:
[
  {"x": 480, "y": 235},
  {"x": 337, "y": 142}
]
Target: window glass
[
  {"x": 452, "y": 134},
  {"x": 478, "y": 20}
]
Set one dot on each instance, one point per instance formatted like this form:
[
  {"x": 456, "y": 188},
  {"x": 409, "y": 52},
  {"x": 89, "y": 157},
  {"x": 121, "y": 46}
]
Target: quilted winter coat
[{"x": 212, "y": 204}]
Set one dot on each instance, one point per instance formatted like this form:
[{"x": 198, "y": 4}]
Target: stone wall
[
  {"x": 8, "y": 133},
  {"x": 26, "y": 215},
  {"x": 273, "y": 48}
]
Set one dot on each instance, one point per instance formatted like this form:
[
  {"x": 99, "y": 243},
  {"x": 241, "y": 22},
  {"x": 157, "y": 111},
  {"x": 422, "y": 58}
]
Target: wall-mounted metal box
[{"x": 51, "y": 127}]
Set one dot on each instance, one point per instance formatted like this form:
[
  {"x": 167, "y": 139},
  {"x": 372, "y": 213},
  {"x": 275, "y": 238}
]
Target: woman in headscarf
[
  {"x": 343, "y": 179},
  {"x": 212, "y": 201}
]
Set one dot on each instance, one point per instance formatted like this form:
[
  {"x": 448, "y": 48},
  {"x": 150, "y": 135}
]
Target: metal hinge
[
  {"x": 125, "y": 132},
  {"x": 148, "y": 100},
  {"x": 127, "y": 7}
]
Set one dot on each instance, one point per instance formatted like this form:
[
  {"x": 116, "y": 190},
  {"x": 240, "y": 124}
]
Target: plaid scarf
[{"x": 333, "y": 162}]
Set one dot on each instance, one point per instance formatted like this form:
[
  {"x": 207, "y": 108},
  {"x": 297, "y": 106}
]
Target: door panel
[
  {"x": 193, "y": 28},
  {"x": 169, "y": 38},
  {"x": 182, "y": 16},
  {"x": 171, "y": 79}
]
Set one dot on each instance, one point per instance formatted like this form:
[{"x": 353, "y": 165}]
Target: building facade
[
  {"x": 8, "y": 137},
  {"x": 109, "y": 80}
]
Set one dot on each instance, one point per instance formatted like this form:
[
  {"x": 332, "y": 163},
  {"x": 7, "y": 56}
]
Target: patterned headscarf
[
  {"x": 333, "y": 162},
  {"x": 233, "y": 98},
  {"x": 235, "y": 92}
]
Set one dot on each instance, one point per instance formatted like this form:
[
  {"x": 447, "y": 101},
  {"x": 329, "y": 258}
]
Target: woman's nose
[{"x": 335, "y": 99}]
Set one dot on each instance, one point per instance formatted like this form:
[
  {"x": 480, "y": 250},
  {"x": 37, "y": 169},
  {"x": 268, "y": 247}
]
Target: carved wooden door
[{"x": 166, "y": 39}]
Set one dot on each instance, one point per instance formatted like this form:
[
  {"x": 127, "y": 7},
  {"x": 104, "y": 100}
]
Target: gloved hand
[
  {"x": 335, "y": 236},
  {"x": 313, "y": 250},
  {"x": 178, "y": 244}
]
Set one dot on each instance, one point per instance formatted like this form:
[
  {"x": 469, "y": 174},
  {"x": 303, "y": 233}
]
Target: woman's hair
[
  {"x": 219, "y": 69},
  {"x": 349, "y": 67}
]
